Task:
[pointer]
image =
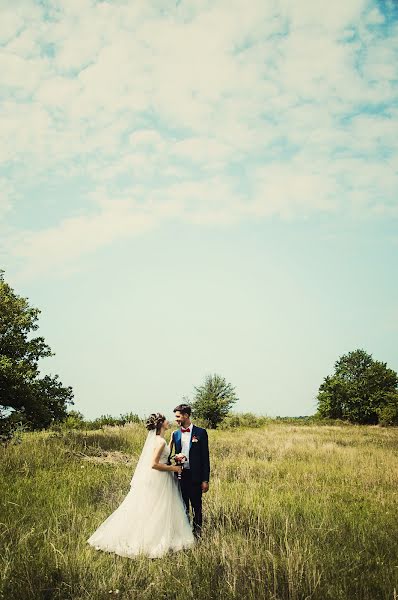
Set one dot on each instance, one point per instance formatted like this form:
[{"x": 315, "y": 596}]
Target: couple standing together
[{"x": 154, "y": 516}]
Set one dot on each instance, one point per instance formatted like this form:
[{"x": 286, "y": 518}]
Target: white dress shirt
[{"x": 185, "y": 444}]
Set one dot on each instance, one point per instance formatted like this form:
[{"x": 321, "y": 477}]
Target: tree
[
  {"x": 361, "y": 390},
  {"x": 213, "y": 400},
  {"x": 25, "y": 397}
]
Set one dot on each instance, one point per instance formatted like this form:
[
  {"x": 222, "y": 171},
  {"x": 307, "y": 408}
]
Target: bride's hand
[{"x": 176, "y": 469}]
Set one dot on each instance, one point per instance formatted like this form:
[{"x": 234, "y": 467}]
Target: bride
[{"x": 151, "y": 519}]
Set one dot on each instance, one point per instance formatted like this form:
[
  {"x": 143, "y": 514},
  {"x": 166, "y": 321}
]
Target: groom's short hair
[{"x": 185, "y": 409}]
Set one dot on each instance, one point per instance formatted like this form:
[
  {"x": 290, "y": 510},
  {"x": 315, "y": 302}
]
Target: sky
[{"x": 190, "y": 188}]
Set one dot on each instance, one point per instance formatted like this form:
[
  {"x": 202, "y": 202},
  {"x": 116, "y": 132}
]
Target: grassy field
[{"x": 293, "y": 512}]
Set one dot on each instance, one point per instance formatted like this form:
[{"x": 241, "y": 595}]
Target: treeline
[
  {"x": 76, "y": 420},
  {"x": 361, "y": 390}
]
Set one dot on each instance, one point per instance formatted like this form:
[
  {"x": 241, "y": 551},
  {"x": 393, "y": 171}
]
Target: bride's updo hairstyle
[{"x": 155, "y": 421}]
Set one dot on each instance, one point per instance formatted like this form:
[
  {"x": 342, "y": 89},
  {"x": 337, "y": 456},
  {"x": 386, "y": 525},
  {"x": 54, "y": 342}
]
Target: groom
[{"x": 192, "y": 441}]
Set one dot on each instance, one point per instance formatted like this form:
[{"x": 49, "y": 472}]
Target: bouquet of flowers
[{"x": 179, "y": 460}]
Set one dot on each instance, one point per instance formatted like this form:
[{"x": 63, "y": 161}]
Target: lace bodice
[{"x": 165, "y": 452}]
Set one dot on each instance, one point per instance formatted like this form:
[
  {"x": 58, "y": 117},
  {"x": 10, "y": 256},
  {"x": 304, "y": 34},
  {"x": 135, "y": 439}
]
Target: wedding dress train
[{"x": 151, "y": 519}]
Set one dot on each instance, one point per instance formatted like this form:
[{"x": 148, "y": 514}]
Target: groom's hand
[{"x": 205, "y": 486}]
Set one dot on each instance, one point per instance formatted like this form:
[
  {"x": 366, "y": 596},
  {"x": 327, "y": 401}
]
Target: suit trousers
[{"x": 192, "y": 494}]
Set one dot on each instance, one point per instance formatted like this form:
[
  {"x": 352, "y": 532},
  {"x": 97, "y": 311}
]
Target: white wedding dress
[{"x": 151, "y": 519}]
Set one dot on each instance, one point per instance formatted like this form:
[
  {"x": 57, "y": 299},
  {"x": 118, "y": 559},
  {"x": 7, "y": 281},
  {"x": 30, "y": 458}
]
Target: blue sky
[{"x": 202, "y": 187}]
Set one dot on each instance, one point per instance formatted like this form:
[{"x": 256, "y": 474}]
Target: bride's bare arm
[{"x": 161, "y": 466}]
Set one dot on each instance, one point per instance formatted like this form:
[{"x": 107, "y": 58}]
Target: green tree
[
  {"x": 25, "y": 398},
  {"x": 361, "y": 390},
  {"x": 213, "y": 400}
]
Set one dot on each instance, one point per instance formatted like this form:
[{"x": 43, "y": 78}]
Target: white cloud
[
  {"x": 375, "y": 17},
  {"x": 58, "y": 92},
  {"x": 298, "y": 194},
  {"x": 332, "y": 16},
  {"x": 210, "y": 112},
  {"x": 20, "y": 74},
  {"x": 202, "y": 150},
  {"x": 50, "y": 249},
  {"x": 146, "y": 138}
]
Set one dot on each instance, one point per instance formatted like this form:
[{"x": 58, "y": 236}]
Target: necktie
[{"x": 184, "y": 430}]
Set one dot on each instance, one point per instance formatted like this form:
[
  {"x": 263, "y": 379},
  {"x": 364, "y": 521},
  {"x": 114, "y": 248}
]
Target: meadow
[{"x": 294, "y": 512}]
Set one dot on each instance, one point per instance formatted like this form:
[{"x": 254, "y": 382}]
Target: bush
[
  {"x": 244, "y": 420},
  {"x": 76, "y": 420},
  {"x": 388, "y": 414},
  {"x": 213, "y": 400},
  {"x": 10, "y": 429},
  {"x": 108, "y": 420}
]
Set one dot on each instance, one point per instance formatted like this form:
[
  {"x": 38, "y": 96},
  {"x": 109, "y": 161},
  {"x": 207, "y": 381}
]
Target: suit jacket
[{"x": 199, "y": 459}]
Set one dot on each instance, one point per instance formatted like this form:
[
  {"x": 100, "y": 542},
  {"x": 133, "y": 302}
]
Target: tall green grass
[{"x": 293, "y": 512}]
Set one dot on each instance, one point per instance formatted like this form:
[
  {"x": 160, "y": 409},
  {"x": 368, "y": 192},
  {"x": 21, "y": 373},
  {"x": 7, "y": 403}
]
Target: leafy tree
[
  {"x": 213, "y": 400},
  {"x": 361, "y": 390},
  {"x": 25, "y": 398},
  {"x": 388, "y": 413}
]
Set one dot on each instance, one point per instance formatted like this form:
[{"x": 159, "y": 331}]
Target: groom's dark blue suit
[
  {"x": 191, "y": 479},
  {"x": 199, "y": 460}
]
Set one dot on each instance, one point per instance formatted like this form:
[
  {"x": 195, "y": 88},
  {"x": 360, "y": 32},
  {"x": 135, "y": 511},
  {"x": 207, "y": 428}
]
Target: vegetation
[
  {"x": 213, "y": 400},
  {"x": 76, "y": 420},
  {"x": 298, "y": 508},
  {"x": 293, "y": 512},
  {"x": 361, "y": 390},
  {"x": 233, "y": 420},
  {"x": 28, "y": 401}
]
